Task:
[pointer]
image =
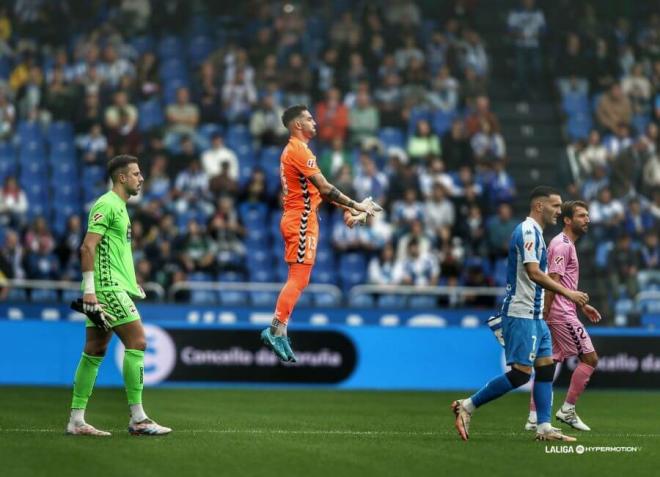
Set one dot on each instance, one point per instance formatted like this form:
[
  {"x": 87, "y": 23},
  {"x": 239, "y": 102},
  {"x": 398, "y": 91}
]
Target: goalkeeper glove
[
  {"x": 495, "y": 325},
  {"x": 94, "y": 312}
]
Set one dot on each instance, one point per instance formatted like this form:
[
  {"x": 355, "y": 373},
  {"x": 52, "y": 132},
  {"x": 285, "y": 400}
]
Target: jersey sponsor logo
[
  {"x": 97, "y": 217},
  {"x": 311, "y": 162},
  {"x": 129, "y": 233},
  {"x": 558, "y": 260},
  {"x": 529, "y": 246}
]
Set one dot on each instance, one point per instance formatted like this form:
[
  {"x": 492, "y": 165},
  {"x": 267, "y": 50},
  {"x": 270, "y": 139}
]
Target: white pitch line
[{"x": 340, "y": 432}]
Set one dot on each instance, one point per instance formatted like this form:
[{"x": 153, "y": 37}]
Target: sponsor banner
[
  {"x": 370, "y": 357},
  {"x": 623, "y": 362}
]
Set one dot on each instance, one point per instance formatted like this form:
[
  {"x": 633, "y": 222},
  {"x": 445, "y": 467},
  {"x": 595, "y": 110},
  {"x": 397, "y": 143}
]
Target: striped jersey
[
  {"x": 524, "y": 298},
  {"x": 297, "y": 163}
]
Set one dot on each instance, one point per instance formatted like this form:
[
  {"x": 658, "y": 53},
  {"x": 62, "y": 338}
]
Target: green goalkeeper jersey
[{"x": 113, "y": 261}]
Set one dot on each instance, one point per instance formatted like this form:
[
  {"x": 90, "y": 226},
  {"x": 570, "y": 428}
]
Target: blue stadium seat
[
  {"x": 205, "y": 133},
  {"x": 62, "y": 150},
  {"x": 43, "y": 296},
  {"x": 324, "y": 275},
  {"x": 93, "y": 175},
  {"x": 29, "y": 131},
  {"x": 391, "y": 301},
  {"x": 417, "y": 114},
  {"x": 281, "y": 269},
  {"x": 422, "y": 301},
  {"x": 32, "y": 150},
  {"x": 352, "y": 270},
  {"x": 173, "y": 68},
  {"x": 199, "y": 48},
  {"x": 253, "y": 214},
  {"x": 150, "y": 115},
  {"x": 202, "y": 297},
  {"x": 361, "y": 301},
  {"x": 237, "y": 134},
  {"x": 640, "y": 122},
  {"x": 392, "y": 137},
  {"x": 170, "y": 47},
  {"x": 8, "y": 167},
  {"x": 263, "y": 299},
  {"x": 579, "y": 126},
  {"x": 7, "y": 150},
  {"x": 60, "y": 131},
  {"x": 233, "y": 298},
  {"x": 441, "y": 121},
  {"x": 326, "y": 300},
  {"x": 575, "y": 103},
  {"x": 500, "y": 272},
  {"x": 170, "y": 87},
  {"x": 602, "y": 252},
  {"x": 17, "y": 294},
  {"x": 261, "y": 275},
  {"x": 142, "y": 44},
  {"x": 66, "y": 167}
]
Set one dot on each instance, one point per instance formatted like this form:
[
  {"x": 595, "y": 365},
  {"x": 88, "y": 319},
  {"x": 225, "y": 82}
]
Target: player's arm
[
  {"x": 87, "y": 253},
  {"x": 540, "y": 278},
  {"x": 549, "y": 295},
  {"x": 331, "y": 194}
]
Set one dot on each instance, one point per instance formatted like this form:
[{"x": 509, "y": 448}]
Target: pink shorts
[{"x": 569, "y": 338}]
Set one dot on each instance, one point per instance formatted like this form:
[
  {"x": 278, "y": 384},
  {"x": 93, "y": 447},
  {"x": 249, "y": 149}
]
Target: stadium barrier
[{"x": 336, "y": 356}]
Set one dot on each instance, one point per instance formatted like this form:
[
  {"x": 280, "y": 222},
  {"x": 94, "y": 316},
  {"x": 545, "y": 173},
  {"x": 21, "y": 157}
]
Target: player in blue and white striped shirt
[{"x": 527, "y": 341}]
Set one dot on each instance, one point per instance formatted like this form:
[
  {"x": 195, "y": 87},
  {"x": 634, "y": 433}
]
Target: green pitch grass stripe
[{"x": 340, "y": 432}]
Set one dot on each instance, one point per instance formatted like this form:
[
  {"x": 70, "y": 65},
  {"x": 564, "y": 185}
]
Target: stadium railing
[
  {"x": 153, "y": 288},
  {"x": 455, "y": 295}
]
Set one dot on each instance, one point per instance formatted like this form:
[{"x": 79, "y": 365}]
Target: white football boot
[
  {"x": 85, "y": 429},
  {"x": 569, "y": 416}
]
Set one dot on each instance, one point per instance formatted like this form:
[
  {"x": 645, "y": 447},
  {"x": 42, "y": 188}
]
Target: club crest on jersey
[
  {"x": 529, "y": 246},
  {"x": 97, "y": 217},
  {"x": 558, "y": 260}
]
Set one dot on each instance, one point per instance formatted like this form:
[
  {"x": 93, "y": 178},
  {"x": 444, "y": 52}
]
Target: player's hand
[
  {"x": 93, "y": 310},
  {"x": 368, "y": 206},
  {"x": 578, "y": 297},
  {"x": 143, "y": 294},
  {"x": 353, "y": 218},
  {"x": 591, "y": 313}
]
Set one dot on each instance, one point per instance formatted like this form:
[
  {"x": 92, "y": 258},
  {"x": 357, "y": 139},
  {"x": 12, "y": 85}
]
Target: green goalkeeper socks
[
  {"x": 134, "y": 375},
  {"x": 88, "y": 368}
]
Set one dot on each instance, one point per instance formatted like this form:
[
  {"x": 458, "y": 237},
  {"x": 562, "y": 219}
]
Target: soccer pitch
[{"x": 317, "y": 433}]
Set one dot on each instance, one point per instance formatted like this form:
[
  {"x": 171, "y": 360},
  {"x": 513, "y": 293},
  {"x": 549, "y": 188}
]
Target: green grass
[{"x": 316, "y": 433}]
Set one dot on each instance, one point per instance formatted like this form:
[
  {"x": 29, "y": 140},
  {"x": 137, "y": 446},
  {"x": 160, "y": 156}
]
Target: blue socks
[{"x": 492, "y": 390}]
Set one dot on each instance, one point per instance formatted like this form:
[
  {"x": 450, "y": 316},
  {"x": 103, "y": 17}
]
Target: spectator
[
  {"x": 499, "y": 184},
  {"x": 60, "y": 98},
  {"x": 13, "y": 204},
  {"x": 407, "y": 53},
  {"x": 473, "y": 53},
  {"x": 32, "y": 93},
  {"x": 223, "y": 184},
  {"x": 364, "y": 120},
  {"x": 331, "y": 117},
  {"x": 527, "y": 25},
  {"x": 594, "y": 155},
  {"x": 214, "y": 158},
  {"x": 623, "y": 264},
  {"x": 125, "y": 138},
  {"x": 158, "y": 183},
  {"x": 613, "y": 109},
  {"x": 615, "y": 144},
  {"x": 439, "y": 213},
  {"x": 191, "y": 187},
  {"x": 326, "y": 75},
  {"x": 115, "y": 67},
  {"x": 93, "y": 146},
  {"x": 187, "y": 153},
  {"x": 197, "y": 250},
  {"x": 606, "y": 214},
  {"x": 593, "y": 184},
  {"x": 637, "y": 220},
  {"x": 266, "y": 123},
  {"x": 651, "y": 173},
  {"x": 226, "y": 231},
  {"x": 416, "y": 268},
  {"x": 333, "y": 159},
  {"x": 207, "y": 93},
  {"x": 91, "y": 112},
  {"x": 572, "y": 67},
  {"x": 296, "y": 80},
  {"x": 498, "y": 231},
  {"x": 424, "y": 143},
  {"x": 389, "y": 100},
  {"x": 7, "y": 116},
  {"x": 238, "y": 98},
  {"x": 481, "y": 113},
  {"x": 408, "y": 210},
  {"x": 182, "y": 117},
  {"x": 67, "y": 249},
  {"x": 650, "y": 251},
  {"x": 343, "y": 180},
  {"x": 487, "y": 145},
  {"x": 380, "y": 269},
  {"x": 113, "y": 113},
  {"x": 638, "y": 88},
  {"x": 465, "y": 184},
  {"x": 604, "y": 69},
  {"x": 148, "y": 84},
  {"x": 444, "y": 91},
  {"x": 472, "y": 87},
  {"x": 42, "y": 264},
  {"x": 456, "y": 149},
  {"x": 12, "y": 257},
  {"x": 433, "y": 174},
  {"x": 370, "y": 182}
]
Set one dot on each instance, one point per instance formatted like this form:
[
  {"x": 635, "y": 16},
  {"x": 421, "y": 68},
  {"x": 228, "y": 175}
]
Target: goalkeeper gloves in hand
[
  {"x": 495, "y": 325},
  {"x": 94, "y": 312}
]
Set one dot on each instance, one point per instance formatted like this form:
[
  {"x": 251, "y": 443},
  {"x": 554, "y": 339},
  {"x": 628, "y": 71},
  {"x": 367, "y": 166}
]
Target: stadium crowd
[{"x": 405, "y": 118}]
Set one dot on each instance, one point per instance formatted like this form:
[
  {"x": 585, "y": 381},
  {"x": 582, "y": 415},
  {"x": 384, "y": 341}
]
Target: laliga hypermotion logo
[{"x": 159, "y": 358}]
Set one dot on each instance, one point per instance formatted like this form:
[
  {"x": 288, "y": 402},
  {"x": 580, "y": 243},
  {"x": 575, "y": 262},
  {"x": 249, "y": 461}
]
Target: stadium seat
[
  {"x": 233, "y": 298},
  {"x": 253, "y": 214},
  {"x": 17, "y": 295},
  {"x": 142, "y": 44},
  {"x": 391, "y": 301},
  {"x": 261, "y": 275},
  {"x": 422, "y": 301},
  {"x": 170, "y": 87},
  {"x": 29, "y": 131},
  {"x": 39, "y": 295},
  {"x": 263, "y": 299},
  {"x": 237, "y": 134},
  {"x": 575, "y": 103},
  {"x": 170, "y": 47},
  {"x": 361, "y": 301},
  {"x": 8, "y": 167},
  {"x": 61, "y": 150},
  {"x": 205, "y": 133},
  {"x": 392, "y": 137},
  {"x": 150, "y": 115},
  {"x": 60, "y": 131},
  {"x": 173, "y": 69},
  {"x": 326, "y": 300},
  {"x": 441, "y": 121},
  {"x": 33, "y": 150},
  {"x": 199, "y": 48},
  {"x": 417, "y": 114}
]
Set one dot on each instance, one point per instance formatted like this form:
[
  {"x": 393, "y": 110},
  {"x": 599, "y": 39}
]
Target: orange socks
[{"x": 298, "y": 279}]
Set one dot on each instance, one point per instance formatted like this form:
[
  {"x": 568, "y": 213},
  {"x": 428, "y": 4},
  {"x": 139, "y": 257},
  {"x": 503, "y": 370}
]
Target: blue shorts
[{"x": 525, "y": 340}]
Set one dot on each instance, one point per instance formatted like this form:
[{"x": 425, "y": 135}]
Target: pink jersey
[{"x": 562, "y": 260}]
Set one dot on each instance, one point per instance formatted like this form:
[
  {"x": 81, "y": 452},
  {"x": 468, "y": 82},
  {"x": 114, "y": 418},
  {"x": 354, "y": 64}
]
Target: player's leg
[
  {"x": 130, "y": 331},
  {"x": 583, "y": 348},
  {"x": 544, "y": 368},
  {"x": 518, "y": 343},
  {"x": 96, "y": 344}
]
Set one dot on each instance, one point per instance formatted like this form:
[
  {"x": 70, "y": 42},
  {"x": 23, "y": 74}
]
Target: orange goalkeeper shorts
[{"x": 300, "y": 231}]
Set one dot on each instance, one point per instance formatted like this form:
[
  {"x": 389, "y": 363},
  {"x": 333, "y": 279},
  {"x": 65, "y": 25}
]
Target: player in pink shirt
[{"x": 569, "y": 336}]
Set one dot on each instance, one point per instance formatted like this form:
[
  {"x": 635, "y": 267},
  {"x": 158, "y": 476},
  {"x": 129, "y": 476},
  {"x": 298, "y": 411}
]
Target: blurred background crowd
[{"x": 401, "y": 94}]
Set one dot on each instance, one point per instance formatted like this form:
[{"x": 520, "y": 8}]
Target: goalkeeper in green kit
[{"x": 108, "y": 284}]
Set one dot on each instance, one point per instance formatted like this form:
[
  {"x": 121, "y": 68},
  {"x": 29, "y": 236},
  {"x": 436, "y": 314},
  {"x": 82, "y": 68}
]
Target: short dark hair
[
  {"x": 292, "y": 113},
  {"x": 568, "y": 208},
  {"x": 542, "y": 191},
  {"x": 118, "y": 163}
]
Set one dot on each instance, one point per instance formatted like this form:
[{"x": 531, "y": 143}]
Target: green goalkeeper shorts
[{"x": 118, "y": 306}]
